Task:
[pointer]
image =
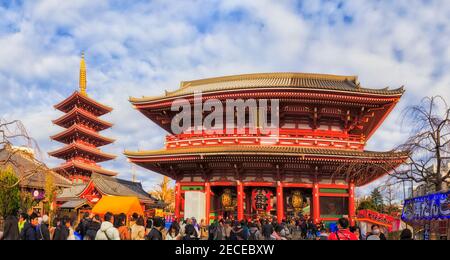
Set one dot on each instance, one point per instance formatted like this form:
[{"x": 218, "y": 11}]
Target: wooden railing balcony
[{"x": 285, "y": 137}]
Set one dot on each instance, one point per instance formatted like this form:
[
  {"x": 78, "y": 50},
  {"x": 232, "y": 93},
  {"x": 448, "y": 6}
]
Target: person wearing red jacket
[{"x": 343, "y": 233}]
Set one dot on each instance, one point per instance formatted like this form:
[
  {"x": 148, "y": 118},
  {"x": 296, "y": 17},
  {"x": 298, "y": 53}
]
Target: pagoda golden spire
[{"x": 83, "y": 81}]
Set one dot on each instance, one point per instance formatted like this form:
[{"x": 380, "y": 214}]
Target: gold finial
[{"x": 83, "y": 81}]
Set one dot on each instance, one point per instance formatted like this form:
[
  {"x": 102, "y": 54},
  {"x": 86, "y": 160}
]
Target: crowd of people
[{"x": 135, "y": 227}]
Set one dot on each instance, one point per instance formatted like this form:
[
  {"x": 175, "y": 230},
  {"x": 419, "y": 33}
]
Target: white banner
[{"x": 194, "y": 205}]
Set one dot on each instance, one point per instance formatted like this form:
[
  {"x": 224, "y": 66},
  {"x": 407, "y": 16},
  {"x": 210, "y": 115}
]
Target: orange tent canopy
[{"x": 117, "y": 205}]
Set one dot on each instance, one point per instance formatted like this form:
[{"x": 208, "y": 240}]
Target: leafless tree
[
  {"x": 392, "y": 195},
  {"x": 422, "y": 157},
  {"x": 15, "y": 132},
  {"x": 428, "y": 144}
]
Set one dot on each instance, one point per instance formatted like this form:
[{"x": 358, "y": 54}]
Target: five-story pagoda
[
  {"x": 81, "y": 135},
  {"x": 324, "y": 124}
]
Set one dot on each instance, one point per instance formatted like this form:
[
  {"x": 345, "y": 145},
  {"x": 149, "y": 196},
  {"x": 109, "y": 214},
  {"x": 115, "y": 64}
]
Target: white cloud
[{"x": 143, "y": 48}]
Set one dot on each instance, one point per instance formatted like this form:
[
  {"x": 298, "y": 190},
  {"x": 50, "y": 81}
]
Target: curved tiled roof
[
  {"x": 110, "y": 186},
  {"x": 84, "y": 166},
  {"x": 120, "y": 187},
  {"x": 271, "y": 80},
  {"x": 76, "y": 147},
  {"x": 262, "y": 150},
  {"x": 72, "y": 191},
  {"x": 77, "y": 111},
  {"x": 33, "y": 172},
  {"x": 67, "y": 104},
  {"x": 75, "y": 128}
]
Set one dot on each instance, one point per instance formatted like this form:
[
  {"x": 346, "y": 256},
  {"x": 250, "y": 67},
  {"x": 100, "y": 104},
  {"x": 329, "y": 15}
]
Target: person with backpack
[
  {"x": 107, "y": 230},
  {"x": 29, "y": 228},
  {"x": 255, "y": 234},
  {"x": 343, "y": 233},
  {"x": 238, "y": 233},
  {"x": 43, "y": 232},
  {"x": 93, "y": 228},
  {"x": 83, "y": 225}
]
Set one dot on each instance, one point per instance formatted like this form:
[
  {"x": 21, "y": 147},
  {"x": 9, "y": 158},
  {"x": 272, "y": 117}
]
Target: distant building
[
  {"x": 82, "y": 155},
  {"x": 81, "y": 135},
  {"x": 31, "y": 173},
  {"x": 424, "y": 189},
  {"x": 82, "y": 197}
]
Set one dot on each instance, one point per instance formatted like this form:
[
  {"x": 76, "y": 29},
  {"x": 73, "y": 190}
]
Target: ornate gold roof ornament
[{"x": 83, "y": 81}]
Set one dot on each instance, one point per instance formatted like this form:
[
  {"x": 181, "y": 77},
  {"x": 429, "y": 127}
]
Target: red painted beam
[
  {"x": 259, "y": 184},
  {"x": 297, "y": 185},
  {"x": 223, "y": 183},
  {"x": 192, "y": 183}
]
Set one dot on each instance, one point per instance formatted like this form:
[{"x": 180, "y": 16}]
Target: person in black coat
[
  {"x": 267, "y": 230},
  {"x": 11, "y": 228},
  {"x": 43, "y": 232},
  {"x": 190, "y": 232},
  {"x": 155, "y": 232},
  {"x": 84, "y": 225},
  {"x": 29, "y": 229},
  {"x": 61, "y": 231},
  {"x": 92, "y": 228}
]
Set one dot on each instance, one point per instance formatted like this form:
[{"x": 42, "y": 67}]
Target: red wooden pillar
[
  {"x": 207, "y": 201},
  {"x": 351, "y": 203},
  {"x": 316, "y": 203},
  {"x": 177, "y": 200},
  {"x": 240, "y": 200},
  {"x": 280, "y": 202}
]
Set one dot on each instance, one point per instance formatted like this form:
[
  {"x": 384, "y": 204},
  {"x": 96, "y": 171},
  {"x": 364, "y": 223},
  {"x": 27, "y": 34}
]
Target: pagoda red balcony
[
  {"x": 82, "y": 117},
  {"x": 286, "y": 137},
  {"x": 82, "y": 134}
]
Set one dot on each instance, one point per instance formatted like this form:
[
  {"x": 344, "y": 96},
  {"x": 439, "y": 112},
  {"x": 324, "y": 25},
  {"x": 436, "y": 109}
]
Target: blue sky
[{"x": 136, "y": 48}]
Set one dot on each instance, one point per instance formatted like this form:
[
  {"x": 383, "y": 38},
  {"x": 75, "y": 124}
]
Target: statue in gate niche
[
  {"x": 228, "y": 203},
  {"x": 297, "y": 201}
]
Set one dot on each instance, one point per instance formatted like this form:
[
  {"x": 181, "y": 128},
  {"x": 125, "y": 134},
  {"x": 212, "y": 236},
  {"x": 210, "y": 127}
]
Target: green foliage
[
  {"x": 377, "y": 199},
  {"x": 367, "y": 204},
  {"x": 26, "y": 201},
  {"x": 392, "y": 210},
  {"x": 50, "y": 193},
  {"x": 9, "y": 192}
]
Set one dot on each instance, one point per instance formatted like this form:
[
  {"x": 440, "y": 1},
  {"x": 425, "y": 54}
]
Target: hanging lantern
[
  {"x": 297, "y": 200},
  {"x": 227, "y": 200},
  {"x": 261, "y": 200}
]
